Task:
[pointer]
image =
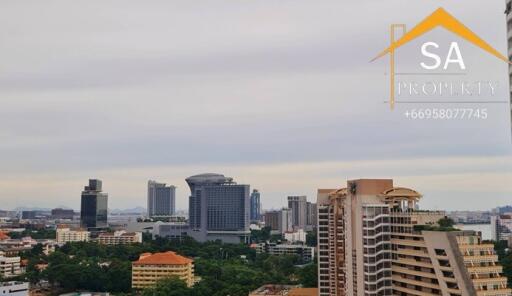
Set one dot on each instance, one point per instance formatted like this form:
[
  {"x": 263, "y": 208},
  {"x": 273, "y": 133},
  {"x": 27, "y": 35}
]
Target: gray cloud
[{"x": 93, "y": 86}]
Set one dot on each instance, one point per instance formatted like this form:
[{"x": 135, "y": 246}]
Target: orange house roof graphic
[{"x": 441, "y": 18}]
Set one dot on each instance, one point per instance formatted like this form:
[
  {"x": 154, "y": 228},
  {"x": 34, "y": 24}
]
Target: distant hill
[
  {"x": 20, "y": 209},
  {"x": 136, "y": 210}
]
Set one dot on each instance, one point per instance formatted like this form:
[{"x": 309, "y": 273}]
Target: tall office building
[
  {"x": 311, "y": 220},
  {"x": 279, "y": 221},
  {"x": 218, "y": 208},
  {"x": 501, "y": 227},
  {"x": 94, "y": 205},
  {"x": 255, "y": 205},
  {"x": 298, "y": 205},
  {"x": 161, "y": 199},
  {"x": 372, "y": 241}
]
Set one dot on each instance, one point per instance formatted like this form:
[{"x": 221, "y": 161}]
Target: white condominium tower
[{"x": 161, "y": 199}]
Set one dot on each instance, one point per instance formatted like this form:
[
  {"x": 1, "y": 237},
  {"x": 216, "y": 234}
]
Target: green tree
[
  {"x": 308, "y": 276},
  {"x": 311, "y": 238},
  {"x": 172, "y": 286},
  {"x": 446, "y": 222}
]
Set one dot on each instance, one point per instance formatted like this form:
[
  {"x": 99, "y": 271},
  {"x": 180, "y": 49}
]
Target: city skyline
[{"x": 285, "y": 105}]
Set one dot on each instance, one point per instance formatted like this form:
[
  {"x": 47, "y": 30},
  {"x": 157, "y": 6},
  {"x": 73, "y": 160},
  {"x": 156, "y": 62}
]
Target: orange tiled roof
[
  {"x": 3, "y": 236},
  {"x": 167, "y": 258},
  {"x": 304, "y": 292}
]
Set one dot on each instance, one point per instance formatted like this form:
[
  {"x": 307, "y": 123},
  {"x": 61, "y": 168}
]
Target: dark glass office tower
[
  {"x": 93, "y": 210},
  {"x": 255, "y": 205}
]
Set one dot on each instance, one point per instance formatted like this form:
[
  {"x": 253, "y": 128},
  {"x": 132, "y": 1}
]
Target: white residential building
[
  {"x": 14, "y": 288},
  {"x": 66, "y": 235},
  {"x": 295, "y": 236},
  {"x": 120, "y": 238},
  {"x": 10, "y": 266},
  {"x": 307, "y": 254}
]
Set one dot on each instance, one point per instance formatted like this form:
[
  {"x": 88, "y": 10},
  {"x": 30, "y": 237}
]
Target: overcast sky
[{"x": 276, "y": 94}]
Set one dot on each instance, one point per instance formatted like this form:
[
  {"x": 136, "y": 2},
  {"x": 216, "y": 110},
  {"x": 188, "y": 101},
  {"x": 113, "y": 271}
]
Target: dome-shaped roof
[
  {"x": 208, "y": 178},
  {"x": 401, "y": 192},
  {"x": 341, "y": 191}
]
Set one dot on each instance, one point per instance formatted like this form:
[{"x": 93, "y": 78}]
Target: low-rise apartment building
[
  {"x": 306, "y": 253},
  {"x": 152, "y": 267},
  {"x": 10, "y": 266},
  {"x": 66, "y": 235},
  {"x": 14, "y": 288},
  {"x": 119, "y": 238}
]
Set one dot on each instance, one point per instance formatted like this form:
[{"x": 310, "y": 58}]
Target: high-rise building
[
  {"x": 279, "y": 221},
  {"x": 285, "y": 220},
  {"x": 219, "y": 208},
  {"x": 311, "y": 212},
  {"x": 501, "y": 227},
  {"x": 255, "y": 205},
  {"x": 94, "y": 206},
  {"x": 271, "y": 219},
  {"x": 161, "y": 199},
  {"x": 298, "y": 205},
  {"x": 373, "y": 241}
]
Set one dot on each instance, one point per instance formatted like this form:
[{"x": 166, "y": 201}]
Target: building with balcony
[
  {"x": 13, "y": 288},
  {"x": 152, "y": 267},
  {"x": 161, "y": 199},
  {"x": 305, "y": 253},
  {"x": 119, "y": 238},
  {"x": 10, "y": 266},
  {"x": 283, "y": 290},
  {"x": 66, "y": 235},
  {"x": 372, "y": 240}
]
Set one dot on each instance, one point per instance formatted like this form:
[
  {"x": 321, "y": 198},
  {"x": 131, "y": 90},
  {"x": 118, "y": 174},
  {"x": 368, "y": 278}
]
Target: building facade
[
  {"x": 10, "y": 266},
  {"x": 66, "y": 235},
  {"x": 255, "y": 206},
  {"x": 306, "y": 254},
  {"x": 283, "y": 290},
  {"x": 119, "y": 238},
  {"x": 501, "y": 227},
  {"x": 219, "y": 208},
  {"x": 311, "y": 219},
  {"x": 298, "y": 206},
  {"x": 152, "y": 267},
  {"x": 279, "y": 221},
  {"x": 373, "y": 241},
  {"x": 94, "y": 206},
  {"x": 13, "y": 288},
  {"x": 59, "y": 213},
  {"x": 295, "y": 236},
  {"x": 161, "y": 199}
]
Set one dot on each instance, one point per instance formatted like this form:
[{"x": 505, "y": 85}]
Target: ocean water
[{"x": 484, "y": 228}]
